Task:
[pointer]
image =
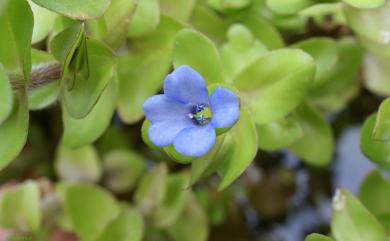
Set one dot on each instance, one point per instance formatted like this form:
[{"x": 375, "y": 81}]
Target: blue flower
[{"x": 186, "y": 116}]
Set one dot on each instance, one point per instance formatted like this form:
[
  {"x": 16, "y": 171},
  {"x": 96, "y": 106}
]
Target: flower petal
[
  {"x": 163, "y": 133},
  {"x": 160, "y": 108},
  {"x": 225, "y": 108},
  {"x": 186, "y": 85},
  {"x": 195, "y": 141}
]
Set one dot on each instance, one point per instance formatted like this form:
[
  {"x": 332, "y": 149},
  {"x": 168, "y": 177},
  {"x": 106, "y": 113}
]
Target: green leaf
[
  {"x": 179, "y": 9},
  {"x": 43, "y": 66},
  {"x": 237, "y": 154},
  {"x": 79, "y": 132},
  {"x": 117, "y": 20},
  {"x": 196, "y": 50},
  {"x": 145, "y": 19},
  {"x": 226, "y": 5},
  {"x": 241, "y": 49},
  {"x": 316, "y": 147},
  {"x": 80, "y": 164},
  {"x": 352, "y": 222},
  {"x": 365, "y": 3},
  {"x": 16, "y": 26},
  {"x": 100, "y": 68},
  {"x": 128, "y": 226},
  {"x": 150, "y": 60},
  {"x": 272, "y": 92},
  {"x": 290, "y": 7},
  {"x": 371, "y": 24},
  {"x": 122, "y": 169},
  {"x": 174, "y": 202},
  {"x": 324, "y": 51},
  {"x": 76, "y": 9},
  {"x": 192, "y": 224},
  {"x": 280, "y": 133},
  {"x": 376, "y": 151},
  {"x": 209, "y": 22},
  {"x": 43, "y": 22},
  {"x": 318, "y": 237},
  {"x": 20, "y": 208},
  {"x": 151, "y": 191},
  {"x": 208, "y": 163},
  {"x": 381, "y": 130},
  {"x": 145, "y": 136},
  {"x": 6, "y": 95},
  {"x": 264, "y": 31},
  {"x": 341, "y": 83},
  {"x": 13, "y": 132},
  {"x": 64, "y": 44},
  {"x": 90, "y": 209},
  {"x": 376, "y": 74},
  {"x": 176, "y": 156},
  {"x": 375, "y": 193}
]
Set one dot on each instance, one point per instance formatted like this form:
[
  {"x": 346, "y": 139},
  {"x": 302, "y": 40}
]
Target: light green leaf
[
  {"x": 90, "y": 209},
  {"x": 174, "y": 202},
  {"x": 76, "y": 9},
  {"x": 16, "y": 26},
  {"x": 341, "y": 83},
  {"x": 239, "y": 149},
  {"x": 272, "y": 92},
  {"x": 290, "y": 7},
  {"x": 122, "y": 169},
  {"x": 208, "y": 163},
  {"x": 210, "y": 23},
  {"x": 44, "y": 66},
  {"x": 100, "y": 68},
  {"x": 376, "y": 74},
  {"x": 80, "y": 164},
  {"x": 365, "y": 3},
  {"x": 13, "y": 132},
  {"x": 196, "y": 50},
  {"x": 145, "y": 19},
  {"x": 20, "y": 207},
  {"x": 128, "y": 226},
  {"x": 151, "y": 61},
  {"x": 371, "y": 24},
  {"x": 192, "y": 224},
  {"x": 381, "y": 130},
  {"x": 6, "y": 95},
  {"x": 324, "y": 51},
  {"x": 79, "y": 132},
  {"x": 179, "y": 9},
  {"x": 117, "y": 20},
  {"x": 43, "y": 22},
  {"x": 151, "y": 191},
  {"x": 145, "y": 136},
  {"x": 352, "y": 222},
  {"x": 376, "y": 151},
  {"x": 375, "y": 193},
  {"x": 226, "y": 5},
  {"x": 280, "y": 133},
  {"x": 241, "y": 49},
  {"x": 318, "y": 237},
  {"x": 264, "y": 31},
  {"x": 316, "y": 147},
  {"x": 64, "y": 44}
]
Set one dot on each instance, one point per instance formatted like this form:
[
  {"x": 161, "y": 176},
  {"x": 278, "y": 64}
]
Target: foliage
[{"x": 96, "y": 63}]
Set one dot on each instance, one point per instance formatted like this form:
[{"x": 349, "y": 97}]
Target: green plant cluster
[{"x": 99, "y": 60}]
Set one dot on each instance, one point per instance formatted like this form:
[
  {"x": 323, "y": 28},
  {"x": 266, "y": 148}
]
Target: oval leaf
[
  {"x": 196, "y": 50},
  {"x": 352, "y": 222},
  {"x": 76, "y": 9},
  {"x": 13, "y": 132},
  {"x": 239, "y": 149},
  {"x": 272, "y": 92},
  {"x": 145, "y": 19}
]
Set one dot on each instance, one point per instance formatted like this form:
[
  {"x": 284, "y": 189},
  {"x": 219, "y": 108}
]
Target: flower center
[{"x": 201, "y": 114}]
